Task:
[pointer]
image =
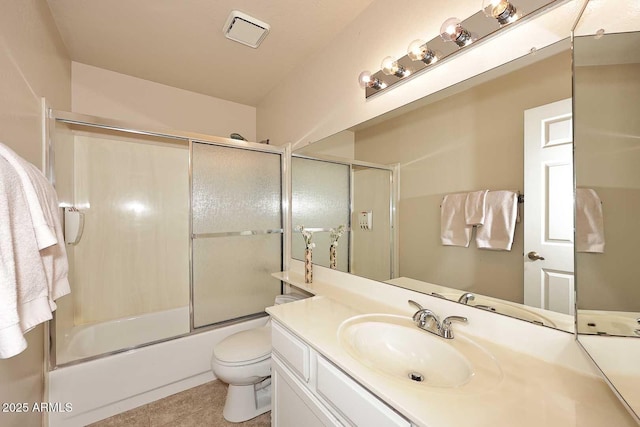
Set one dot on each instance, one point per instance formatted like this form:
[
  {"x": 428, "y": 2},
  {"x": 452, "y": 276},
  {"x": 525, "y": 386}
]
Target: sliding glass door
[{"x": 236, "y": 196}]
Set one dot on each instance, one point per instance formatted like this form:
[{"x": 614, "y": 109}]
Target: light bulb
[
  {"x": 365, "y": 80},
  {"x": 391, "y": 67},
  {"x": 451, "y": 30},
  {"x": 419, "y": 51},
  {"x": 502, "y": 10}
]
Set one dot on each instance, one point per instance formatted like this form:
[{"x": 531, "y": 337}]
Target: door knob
[{"x": 534, "y": 256}]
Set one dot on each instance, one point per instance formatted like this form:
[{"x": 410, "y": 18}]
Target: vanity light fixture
[
  {"x": 365, "y": 79},
  {"x": 451, "y": 30},
  {"x": 503, "y": 10},
  {"x": 482, "y": 25},
  {"x": 419, "y": 51},
  {"x": 391, "y": 67}
]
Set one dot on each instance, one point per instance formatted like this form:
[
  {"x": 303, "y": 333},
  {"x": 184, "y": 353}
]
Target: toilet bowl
[{"x": 243, "y": 360}]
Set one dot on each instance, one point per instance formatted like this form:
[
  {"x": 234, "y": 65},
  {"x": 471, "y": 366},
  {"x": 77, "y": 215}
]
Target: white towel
[
  {"x": 24, "y": 298},
  {"x": 44, "y": 234},
  {"x": 453, "y": 227},
  {"x": 499, "y": 227},
  {"x": 54, "y": 258},
  {"x": 589, "y": 221},
  {"x": 474, "y": 207}
]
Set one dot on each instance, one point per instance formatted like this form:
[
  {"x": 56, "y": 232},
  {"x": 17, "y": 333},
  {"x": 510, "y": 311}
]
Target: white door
[{"x": 548, "y": 207}]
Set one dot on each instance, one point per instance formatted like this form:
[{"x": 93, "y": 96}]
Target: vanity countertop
[{"x": 532, "y": 392}]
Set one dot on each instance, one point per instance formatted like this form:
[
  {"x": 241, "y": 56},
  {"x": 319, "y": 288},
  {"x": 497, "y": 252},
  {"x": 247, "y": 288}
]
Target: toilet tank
[{"x": 285, "y": 298}]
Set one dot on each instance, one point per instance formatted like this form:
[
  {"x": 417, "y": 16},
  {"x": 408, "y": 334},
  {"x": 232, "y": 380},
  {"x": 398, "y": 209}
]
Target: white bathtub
[
  {"x": 106, "y": 337},
  {"x": 101, "y": 388}
]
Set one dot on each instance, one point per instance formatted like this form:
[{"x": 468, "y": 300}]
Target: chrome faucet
[
  {"x": 466, "y": 297},
  {"x": 427, "y": 320}
]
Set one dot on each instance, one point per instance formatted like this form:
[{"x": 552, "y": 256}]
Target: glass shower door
[{"x": 236, "y": 231}]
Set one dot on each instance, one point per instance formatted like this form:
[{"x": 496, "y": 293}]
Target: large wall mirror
[
  {"x": 471, "y": 137},
  {"x": 607, "y": 161},
  {"x": 474, "y": 136}
]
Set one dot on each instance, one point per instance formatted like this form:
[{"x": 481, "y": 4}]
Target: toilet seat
[{"x": 246, "y": 347}]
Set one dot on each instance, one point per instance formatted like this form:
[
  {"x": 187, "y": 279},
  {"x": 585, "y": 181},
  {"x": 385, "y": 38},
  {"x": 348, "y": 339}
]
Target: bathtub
[
  {"x": 106, "y": 337},
  {"x": 104, "y": 387}
]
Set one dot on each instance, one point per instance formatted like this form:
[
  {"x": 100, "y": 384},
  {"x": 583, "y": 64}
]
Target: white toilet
[{"x": 243, "y": 360}]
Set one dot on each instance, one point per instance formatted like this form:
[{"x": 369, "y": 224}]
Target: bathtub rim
[{"x": 52, "y": 365}]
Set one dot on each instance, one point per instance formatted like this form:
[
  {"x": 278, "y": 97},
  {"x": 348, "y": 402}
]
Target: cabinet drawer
[
  {"x": 354, "y": 402},
  {"x": 294, "y": 352}
]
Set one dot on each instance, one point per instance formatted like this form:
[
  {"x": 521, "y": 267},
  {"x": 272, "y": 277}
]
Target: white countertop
[{"x": 532, "y": 392}]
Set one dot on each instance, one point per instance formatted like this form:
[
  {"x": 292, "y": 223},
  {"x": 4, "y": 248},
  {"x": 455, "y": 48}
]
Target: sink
[
  {"x": 512, "y": 310},
  {"x": 395, "y": 347},
  {"x": 605, "y": 323}
]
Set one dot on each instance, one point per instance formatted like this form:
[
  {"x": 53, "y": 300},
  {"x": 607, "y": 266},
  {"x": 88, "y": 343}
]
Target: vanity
[{"x": 331, "y": 367}]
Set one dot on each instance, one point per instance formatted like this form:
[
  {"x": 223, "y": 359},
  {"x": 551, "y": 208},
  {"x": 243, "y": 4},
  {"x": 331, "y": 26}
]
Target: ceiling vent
[{"x": 245, "y": 29}]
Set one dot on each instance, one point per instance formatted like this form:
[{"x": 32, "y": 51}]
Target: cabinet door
[
  {"x": 293, "y": 405},
  {"x": 355, "y": 403}
]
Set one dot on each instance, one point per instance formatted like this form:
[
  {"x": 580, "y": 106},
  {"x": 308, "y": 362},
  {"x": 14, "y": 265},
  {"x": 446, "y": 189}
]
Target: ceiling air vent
[{"x": 245, "y": 29}]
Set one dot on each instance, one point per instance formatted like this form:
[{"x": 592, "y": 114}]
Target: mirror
[
  {"x": 607, "y": 160},
  {"x": 466, "y": 138},
  {"x": 329, "y": 193}
]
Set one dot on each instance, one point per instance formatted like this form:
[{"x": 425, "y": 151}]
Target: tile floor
[{"x": 197, "y": 407}]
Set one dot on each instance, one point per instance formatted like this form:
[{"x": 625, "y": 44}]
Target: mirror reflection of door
[{"x": 548, "y": 186}]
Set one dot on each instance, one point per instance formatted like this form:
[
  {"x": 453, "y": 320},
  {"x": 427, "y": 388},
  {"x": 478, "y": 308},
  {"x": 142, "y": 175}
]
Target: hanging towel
[
  {"x": 24, "y": 300},
  {"x": 54, "y": 258},
  {"x": 44, "y": 234},
  {"x": 474, "y": 207},
  {"x": 589, "y": 221},
  {"x": 453, "y": 227},
  {"x": 499, "y": 226}
]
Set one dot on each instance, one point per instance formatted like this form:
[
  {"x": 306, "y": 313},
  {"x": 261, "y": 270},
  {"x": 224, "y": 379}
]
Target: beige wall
[
  {"x": 372, "y": 248},
  {"x": 340, "y": 145},
  {"x": 607, "y": 144},
  {"x": 33, "y": 64},
  {"x": 469, "y": 141},
  {"x": 103, "y": 93}
]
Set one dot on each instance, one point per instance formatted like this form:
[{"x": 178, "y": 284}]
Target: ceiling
[{"x": 180, "y": 42}]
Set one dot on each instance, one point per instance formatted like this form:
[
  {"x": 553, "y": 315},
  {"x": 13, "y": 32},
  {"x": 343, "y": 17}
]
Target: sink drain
[{"x": 416, "y": 376}]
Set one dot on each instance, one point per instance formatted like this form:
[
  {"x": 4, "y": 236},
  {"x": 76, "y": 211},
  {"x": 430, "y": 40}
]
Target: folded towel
[
  {"x": 501, "y": 211},
  {"x": 474, "y": 207},
  {"x": 589, "y": 221},
  {"x": 453, "y": 227},
  {"x": 44, "y": 234}
]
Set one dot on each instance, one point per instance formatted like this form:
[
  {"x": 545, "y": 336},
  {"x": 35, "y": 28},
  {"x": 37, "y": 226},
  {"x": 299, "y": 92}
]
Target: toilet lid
[{"x": 246, "y": 346}]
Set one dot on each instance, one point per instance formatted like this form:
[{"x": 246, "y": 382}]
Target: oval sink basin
[{"x": 396, "y": 347}]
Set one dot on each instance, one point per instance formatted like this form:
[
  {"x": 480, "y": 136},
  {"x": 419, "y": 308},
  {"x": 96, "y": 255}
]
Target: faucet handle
[
  {"x": 466, "y": 297},
  {"x": 418, "y": 306},
  {"x": 447, "y": 331}
]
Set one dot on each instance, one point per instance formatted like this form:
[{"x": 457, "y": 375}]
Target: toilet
[{"x": 243, "y": 360}]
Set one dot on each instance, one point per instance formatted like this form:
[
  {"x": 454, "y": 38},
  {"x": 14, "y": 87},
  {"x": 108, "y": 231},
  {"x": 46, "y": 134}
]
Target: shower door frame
[{"x": 52, "y": 116}]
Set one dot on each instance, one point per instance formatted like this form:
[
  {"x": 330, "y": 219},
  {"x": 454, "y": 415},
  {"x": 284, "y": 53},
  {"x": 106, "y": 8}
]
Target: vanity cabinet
[{"x": 309, "y": 390}]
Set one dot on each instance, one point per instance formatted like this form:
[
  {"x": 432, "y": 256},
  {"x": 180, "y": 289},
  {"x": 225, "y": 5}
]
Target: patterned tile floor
[{"x": 197, "y": 407}]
